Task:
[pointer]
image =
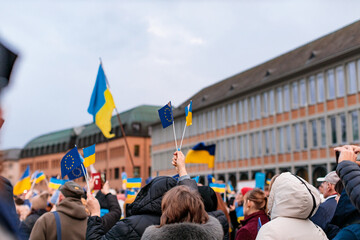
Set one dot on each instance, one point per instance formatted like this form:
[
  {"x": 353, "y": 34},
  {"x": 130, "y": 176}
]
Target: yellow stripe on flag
[
  {"x": 201, "y": 156},
  {"x": 103, "y": 116}
]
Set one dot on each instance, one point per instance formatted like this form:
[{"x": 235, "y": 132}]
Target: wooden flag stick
[
  {"x": 182, "y": 138},
  {"x": 87, "y": 182},
  {"x": 118, "y": 117}
]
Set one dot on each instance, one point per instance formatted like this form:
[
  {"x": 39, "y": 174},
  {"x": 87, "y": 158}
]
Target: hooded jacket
[
  {"x": 73, "y": 220},
  {"x": 144, "y": 211},
  {"x": 292, "y": 201},
  {"x": 212, "y": 229}
]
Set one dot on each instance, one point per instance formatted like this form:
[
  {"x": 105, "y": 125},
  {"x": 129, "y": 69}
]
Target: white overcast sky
[{"x": 152, "y": 51}]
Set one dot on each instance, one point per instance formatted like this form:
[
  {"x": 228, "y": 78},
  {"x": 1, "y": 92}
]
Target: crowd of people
[{"x": 169, "y": 208}]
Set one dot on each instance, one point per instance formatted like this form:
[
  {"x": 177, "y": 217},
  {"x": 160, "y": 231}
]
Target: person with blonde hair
[
  {"x": 184, "y": 217},
  {"x": 255, "y": 203}
]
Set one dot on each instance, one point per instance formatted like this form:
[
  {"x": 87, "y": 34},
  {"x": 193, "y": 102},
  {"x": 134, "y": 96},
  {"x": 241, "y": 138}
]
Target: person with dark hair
[
  {"x": 184, "y": 217},
  {"x": 292, "y": 201},
  {"x": 255, "y": 203}
]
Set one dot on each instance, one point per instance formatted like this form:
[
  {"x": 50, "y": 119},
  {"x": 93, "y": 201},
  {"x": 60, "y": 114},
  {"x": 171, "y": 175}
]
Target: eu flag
[
  {"x": 166, "y": 115},
  {"x": 71, "y": 165}
]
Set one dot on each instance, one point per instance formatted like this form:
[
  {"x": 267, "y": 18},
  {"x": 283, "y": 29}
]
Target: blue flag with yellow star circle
[
  {"x": 71, "y": 165},
  {"x": 166, "y": 115}
]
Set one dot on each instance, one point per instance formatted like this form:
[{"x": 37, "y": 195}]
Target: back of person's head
[
  {"x": 209, "y": 198},
  {"x": 258, "y": 198},
  {"x": 291, "y": 196},
  {"x": 39, "y": 201},
  {"x": 182, "y": 204}
]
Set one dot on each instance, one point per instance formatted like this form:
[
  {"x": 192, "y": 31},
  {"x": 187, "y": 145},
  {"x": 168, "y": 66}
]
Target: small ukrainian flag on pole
[
  {"x": 133, "y": 183},
  {"x": 89, "y": 156}
]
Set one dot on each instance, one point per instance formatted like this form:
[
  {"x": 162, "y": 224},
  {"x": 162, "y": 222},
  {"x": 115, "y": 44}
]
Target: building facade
[
  {"x": 10, "y": 164},
  {"x": 45, "y": 152},
  {"x": 286, "y": 114}
]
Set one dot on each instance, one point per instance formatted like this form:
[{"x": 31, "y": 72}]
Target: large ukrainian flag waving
[{"x": 102, "y": 104}]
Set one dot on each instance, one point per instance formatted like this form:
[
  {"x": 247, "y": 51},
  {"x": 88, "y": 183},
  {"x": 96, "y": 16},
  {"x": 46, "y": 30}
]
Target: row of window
[
  {"x": 322, "y": 132},
  {"x": 314, "y": 89}
]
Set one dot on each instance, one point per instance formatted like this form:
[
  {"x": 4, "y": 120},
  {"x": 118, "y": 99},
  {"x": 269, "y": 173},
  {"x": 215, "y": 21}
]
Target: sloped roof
[
  {"x": 52, "y": 138},
  {"x": 285, "y": 66}
]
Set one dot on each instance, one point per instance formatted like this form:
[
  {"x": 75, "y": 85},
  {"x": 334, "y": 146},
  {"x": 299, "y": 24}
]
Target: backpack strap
[{"x": 58, "y": 225}]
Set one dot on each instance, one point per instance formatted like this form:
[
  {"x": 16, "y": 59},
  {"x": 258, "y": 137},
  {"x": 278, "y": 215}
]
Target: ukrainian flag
[
  {"x": 133, "y": 183},
  {"x": 55, "y": 183},
  {"x": 24, "y": 182},
  {"x": 38, "y": 177},
  {"x": 218, "y": 187},
  {"x": 89, "y": 155},
  {"x": 130, "y": 193},
  {"x": 102, "y": 104},
  {"x": 201, "y": 154},
  {"x": 188, "y": 114},
  {"x": 230, "y": 188},
  {"x": 210, "y": 178}
]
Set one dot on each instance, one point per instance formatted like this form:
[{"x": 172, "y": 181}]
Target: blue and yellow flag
[
  {"x": 89, "y": 155},
  {"x": 218, "y": 187},
  {"x": 201, "y": 154},
  {"x": 130, "y": 193},
  {"x": 55, "y": 183},
  {"x": 133, "y": 183},
  {"x": 166, "y": 115},
  {"x": 102, "y": 104},
  {"x": 38, "y": 176},
  {"x": 188, "y": 114},
  {"x": 210, "y": 178},
  {"x": 196, "y": 179},
  {"x": 24, "y": 182},
  {"x": 71, "y": 165},
  {"x": 230, "y": 188}
]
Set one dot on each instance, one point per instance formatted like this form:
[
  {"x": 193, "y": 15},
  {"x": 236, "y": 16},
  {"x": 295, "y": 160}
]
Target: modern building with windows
[
  {"x": 286, "y": 114},
  {"x": 45, "y": 152}
]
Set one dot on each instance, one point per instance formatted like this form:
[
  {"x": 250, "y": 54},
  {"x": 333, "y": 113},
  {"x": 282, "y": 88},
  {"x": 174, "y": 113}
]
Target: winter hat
[
  {"x": 39, "y": 201},
  {"x": 244, "y": 190},
  {"x": 71, "y": 189},
  {"x": 209, "y": 198}
]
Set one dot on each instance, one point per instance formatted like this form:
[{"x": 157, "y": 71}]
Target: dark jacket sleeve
[
  {"x": 189, "y": 182},
  {"x": 349, "y": 173},
  {"x": 110, "y": 202}
]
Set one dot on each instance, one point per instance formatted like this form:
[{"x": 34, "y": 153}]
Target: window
[
  {"x": 259, "y": 144},
  {"x": 252, "y": 137},
  {"x": 286, "y": 98},
  {"x": 355, "y": 125},
  {"x": 258, "y": 106},
  {"x": 321, "y": 87},
  {"x": 314, "y": 134},
  {"x": 331, "y": 84},
  {"x": 273, "y": 138},
  {"x": 252, "y": 108},
  {"x": 343, "y": 127},
  {"x": 295, "y": 95},
  {"x": 303, "y": 93},
  {"x": 223, "y": 117},
  {"x": 281, "y": 140},
  {"x": 312, "y": 90},
  {"x": 267, "y": 142},
  {"x": 323, "y": 132},
  {"x": 229, "y": 116},
  {"x": 136, "y": 171},
  {"x": 333, "y": 129},
  {"x": 351, "y": 74},
  {"x": 246, "y": 111},
  {"x": 265, "y": 104},
  {"x": 305, "y": 145},
  {"x": 272, "y": 102},
  {"x": 297, "y": 136},
  {"x": 233, "y": 108},
  {"x": 218, "y": 122},
  {"x": 279, "y": 100},
  {"x": 340, "y": 81},
  {"x": 241, "y": 147},
  {"x": 116, "y": 173},
  {"x": 137, "y": 150},
  {"x": 240, "y": 112},
  {"x": 246, "y": 142},
  {"x": 288, "y": 138}
]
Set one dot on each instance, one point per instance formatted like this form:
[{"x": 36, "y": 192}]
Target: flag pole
[
  {"x": 87, "y": 182},
  {"x": 177, "y": 149},
  {"x": 182, "y": 138},
  {"x": 121, "y": 127}
]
